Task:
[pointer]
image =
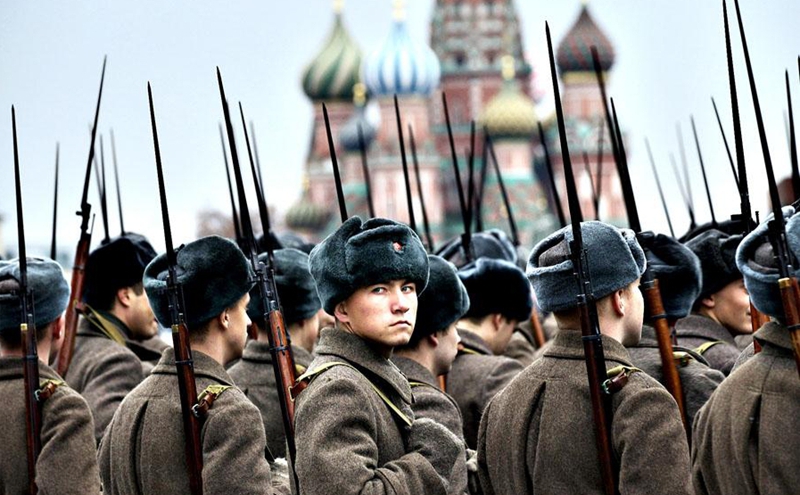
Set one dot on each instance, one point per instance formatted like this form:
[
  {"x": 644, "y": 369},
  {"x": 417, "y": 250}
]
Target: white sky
[{"x": 670, "y": 60}]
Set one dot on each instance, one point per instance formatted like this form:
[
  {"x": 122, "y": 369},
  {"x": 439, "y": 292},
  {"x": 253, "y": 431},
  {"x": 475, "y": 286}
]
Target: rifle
[
  {"x": 481, "y": 187},
  {"x": 679, "y": 180},
  {"x": 553, "y": 189},
  {"x": 688, "y": 191},
  {"x": 466, "y": 238},
  {"x": 590, "y": 325},
  {"x": 757, "y": 319},
  {"x": 411, "y": 221},
  {"x": 792, "y": 143},
  {"x": 116, "y": 179},
  {"x": 654, "y": 305},
  {"x": 425, "y": 225},
  {"x": 470, "y": 154},
  {"x": 725, "y": 140},
  {"x": 790, "y": 292},
  {"x": 103, "y": 203},
  {"x": 235, "y": 215},
  {"x": 595, "y": 197},
  {"x": 255, "y": 154},
  {"x": 362, "y": 146},
  {"x": 336, "y": 177},
  {"x": 600, "y": 165},
  {"x": 27, "y": 329},
  {"x": 55, "y": 212},
  {"x": 658, "y": 184},
  {"x": 187, "y": 387},
  {"x": 280, "y": 347},
  {"x": 703, "y": 169},
  {"x": 81, "y": 255}
]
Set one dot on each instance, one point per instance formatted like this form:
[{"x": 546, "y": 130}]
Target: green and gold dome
[
  {"x": 511, "y": 113},
  {"x": 334, "y": 71}
]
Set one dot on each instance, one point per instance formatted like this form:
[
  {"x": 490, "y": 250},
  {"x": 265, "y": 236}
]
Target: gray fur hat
[
  {"x": 213, "y": 273},
  {"x": 497, "y": 286},
  {"x": 614, "y": 256},
  {"x": 756, "y": 261},
  {"x": 677, "y": 269},
  {"x": 296, "y": 288},
  {"x": 360, "y": 253},
  {"x": 444, "y": 302},
  {"x": 115, "y": 264},
  {"x": 50, "y": 292},
  {"x": 717, "y": 253},
  {"x": 492, "y": 243}
]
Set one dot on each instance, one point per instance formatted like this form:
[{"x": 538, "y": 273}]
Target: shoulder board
[
  {"x": 708, "y": 345},
  {"x": 682, "y": 358},
  {"x": 421, "y": 384},
  {"x": 47, "y": 388},
  {"x": 205, "y": 401},
  {"x": 467, "y": 350},
  {"x": 299, "y": 369},
  {"x": 618, "y": 378},
  {"x": 305, "y": 379}
]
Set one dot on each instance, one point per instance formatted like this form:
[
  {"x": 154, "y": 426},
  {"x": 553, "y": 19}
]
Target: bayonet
[
  {"x": 411, "y": 220},
  {"x": 506, "y": 201},
  {"x": 362, "y": 146},
  {"x": 600, "y": 142},
  {"x": 425, "y": 225},
  {"x": 81, "y": 254},
  {"x": 658, "y": 184},
  {"x": 684, "y": 164},
  {"x": 595, "y": 198},
  {"x": 725, "y": 140},
  {"x": 465, "y": 236},
  {"x": 792, "y": 143},
  {"x": 703, "y": 169},
  {"x": 116, "y": 179},
  {"x": 55, "y": 212},
  {"x": 590, "y": 325},
  {"x": 470, "y": 154},
  {"x": 255, "y": 154},
  {"x": 481, "y": 187},
  {"x": 103, "y": 203},
  {"x": 562, "y": 221},
  {"x": 234, "y": 214},
  {"x": 263, "y": 209},
  {"x": 679, "y": 181},
  {"x": 336, "y": 177}
]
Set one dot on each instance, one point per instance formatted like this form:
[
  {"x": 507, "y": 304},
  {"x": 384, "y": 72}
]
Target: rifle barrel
[
  {"x": 411, "y": 220},
  {"x": 506, "y": 201},
  {"x": 362, "y": 147},
  {"x": 425, "y": 225},
  {"x": 703, "y": 169},
  {"x": 337, "y": 178},
  {"x": 562, "y": 221},
  {"x": 658, "y": 185},
  {"x": 53, "y": 253},
  {"x": 116, "y": 179}
]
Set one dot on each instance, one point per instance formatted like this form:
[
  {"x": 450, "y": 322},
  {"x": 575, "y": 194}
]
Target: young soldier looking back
[
  {"x": 537, "y": 435},
  {"x": 355, "y": 430}
]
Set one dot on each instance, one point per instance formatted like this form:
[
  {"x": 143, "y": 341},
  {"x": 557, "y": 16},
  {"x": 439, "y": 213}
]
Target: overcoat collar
[
  {"x": 204, "y": 366},
  {"x": 414, "y": 371},
  {"x": 568, "y": 344},
  {"x": 472, "y": 341}
]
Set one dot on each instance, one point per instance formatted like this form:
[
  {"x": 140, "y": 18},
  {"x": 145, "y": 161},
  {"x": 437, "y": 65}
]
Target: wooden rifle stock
[
  {"x": 790, "y": 296},
  {"x": 757, "y": 320},
  {"x": 285, "y": 372},
  {"x": 187, "y": 388},
  {"x": 75, "y": 305},
  {"x": 33, "y": 411},
  {"x": 658, "y": 318},
  {"x": 536, "y": 329}
]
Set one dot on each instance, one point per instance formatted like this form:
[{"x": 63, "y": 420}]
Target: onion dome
[
  {"x": 511, "y": 113},
  {"x": 364, "y": 115},
  {"x": 401, "y": 65},
  {"x": 574, "y": 51},
  {"x": 305, "y": 215},
  {"x": 334, "y": 71}
]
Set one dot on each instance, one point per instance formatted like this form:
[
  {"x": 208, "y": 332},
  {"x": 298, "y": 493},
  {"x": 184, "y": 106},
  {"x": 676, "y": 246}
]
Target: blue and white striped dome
[{"x": 401, "y": 66}]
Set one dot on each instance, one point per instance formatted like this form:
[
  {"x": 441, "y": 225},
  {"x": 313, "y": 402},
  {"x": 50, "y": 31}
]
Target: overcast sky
[{"x": 670, "y": 61}]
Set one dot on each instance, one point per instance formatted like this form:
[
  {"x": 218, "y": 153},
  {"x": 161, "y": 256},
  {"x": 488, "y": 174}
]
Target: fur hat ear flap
[
  {"x": 47, "y": 283},
  {"x": 677, "y": 269}
]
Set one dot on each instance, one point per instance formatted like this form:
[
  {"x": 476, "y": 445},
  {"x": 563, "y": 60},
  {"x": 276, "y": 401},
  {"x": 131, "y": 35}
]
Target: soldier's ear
[
  {"x": 619, "y": 302},
  {"x": 124, "y": 296},
  {"x": 340, "y": 312},
  {"x": 433, "y": 339},
  {"x": 708, "y": 302}
]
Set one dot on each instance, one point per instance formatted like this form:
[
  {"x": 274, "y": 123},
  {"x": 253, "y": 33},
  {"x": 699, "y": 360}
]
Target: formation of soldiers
[{"x": 365, "y": 364}]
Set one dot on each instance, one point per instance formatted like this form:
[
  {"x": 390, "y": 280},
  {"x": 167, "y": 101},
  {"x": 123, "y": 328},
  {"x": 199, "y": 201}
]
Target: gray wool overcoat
[
  {"x": 255, "y": 376},
  {"x": 67, "y": 463},
  {"x": 695, "y": 330},
  {"x": 747, "y": 437},
  {"x": 537, "y": 436},
  {"x": 348, "y": 439},
  {"x": 104, "y": 372},
  {"x": 477, "y": 376},
  {"x": 698, "y": 380},
  {"x": 143, "y": 449}
]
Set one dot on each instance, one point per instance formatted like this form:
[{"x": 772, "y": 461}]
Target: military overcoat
[
  {"x": 143, "y": 450},
  {"x": 349, "y": 441},
  {"x": 103, "y": 370},
  {"x": 695, "y": 331},
  {"x": 477, "y": 376},
  {"x": 537, "y": 436},
  {"x": 521, "y": 347},
  {"x": 747, "y": 436},
  {"x": 255, "y": 376},
  {"x": 67, "y": 463}
]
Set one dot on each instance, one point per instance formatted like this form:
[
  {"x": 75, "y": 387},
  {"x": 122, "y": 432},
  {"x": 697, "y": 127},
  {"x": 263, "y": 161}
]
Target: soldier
[
  {"x": 679, "y": 278},
  {"x": 431, "y": 351},
  {"x": 143, "y": 448},
  {"x": 114, "y": 344},
  {"x": 254, "y": 373},
  {"x": 67, "y": 463},
  {"x": 722, "y": 311},
  {"x": 355, "y": 430},
  {"x": 537, "y": 435},
  {"x": 746, "y": 437},
  {"x": 500, "y": 298}
]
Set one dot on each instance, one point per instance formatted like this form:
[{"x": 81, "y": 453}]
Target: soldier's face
[
  {"x": 732, "y": 308},
  {"x": 141, "y": 321},
  {"x": 383, "y": 314}
]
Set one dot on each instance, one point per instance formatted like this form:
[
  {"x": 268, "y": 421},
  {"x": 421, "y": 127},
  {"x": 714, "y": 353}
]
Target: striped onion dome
[
  {"x": 305, "y": 215},
  {"x": 574, "y": 51},
  {"x": 368, "y": 116},
  {"x": 401, "y": 65},
  {"x": 510, "y": 113},
  {"x": 333, "y": 72}
]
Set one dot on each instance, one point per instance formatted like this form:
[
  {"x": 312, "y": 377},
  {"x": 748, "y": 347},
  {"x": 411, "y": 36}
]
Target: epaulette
[
  {"x": 205, "y": 401},
  {"x": 306, "y": 378},
  {"x": 682, "y": 358},
  {"x": 416, "y": 384},
  {"x": 708, "y": 345},
  {"x": 618, "y": 378},
  {"x": 47, "y": 388},
  {"x": 299, "y": 369}
]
